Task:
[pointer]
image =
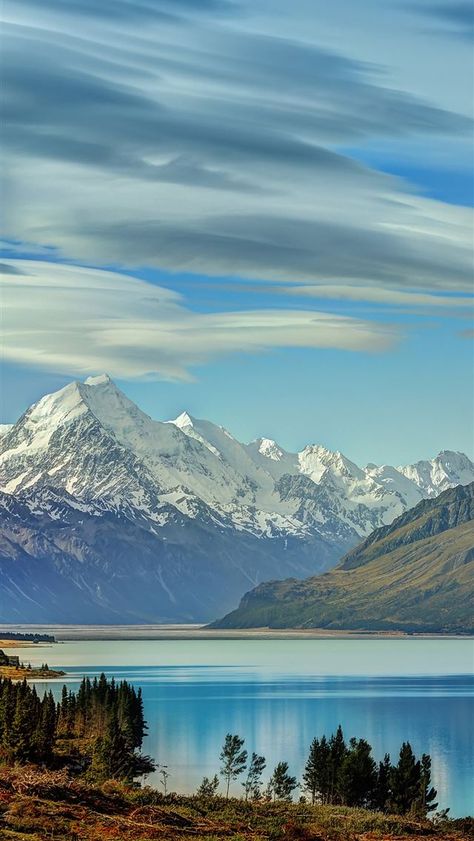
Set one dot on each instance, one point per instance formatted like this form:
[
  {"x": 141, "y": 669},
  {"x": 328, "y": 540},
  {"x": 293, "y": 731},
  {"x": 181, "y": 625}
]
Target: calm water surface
[{"x": 279, "y": 694}]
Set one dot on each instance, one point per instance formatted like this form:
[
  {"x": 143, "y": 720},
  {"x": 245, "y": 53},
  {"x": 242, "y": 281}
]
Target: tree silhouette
[
  {"x": 252, "y": 781},
  {"x": 233, "y": 758},
  {"x": 282, "y": 784}
]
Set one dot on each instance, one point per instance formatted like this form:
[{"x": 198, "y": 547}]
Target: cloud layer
[
  {"x": 186, "y": 136},
  {"x": 76, "y": 320}
]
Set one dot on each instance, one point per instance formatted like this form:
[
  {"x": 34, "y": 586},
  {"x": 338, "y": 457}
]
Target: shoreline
[
  {"x": 33, "y": 674},
  {"x": 84, "y": 633},
  {"x": 11, "y": 643}
]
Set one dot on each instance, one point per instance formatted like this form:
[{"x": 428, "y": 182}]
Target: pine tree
[
  {"x": 382, "y": 791},
  {"x": 357, "y": 775},
  {"x": 405, "y": 781},
  {"x": 337, "y": 752},
  {"x": 282, "y": 784},
  {"x": 45, "y": 731},
  {"x": 233, "y": 758},
  {"x": 208, "y": 788},
  {"x": 252, "y": 781},
  {"x": 427, "y": 793},
  {"x": 312, "y": 770},
  {"x": 22, "y": 729}
]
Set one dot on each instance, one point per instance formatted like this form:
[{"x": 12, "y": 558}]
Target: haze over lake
[{"x": 278, "y": 694}]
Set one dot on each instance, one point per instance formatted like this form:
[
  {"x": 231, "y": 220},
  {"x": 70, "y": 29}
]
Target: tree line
[
  {"x": 14, "y": 635},
  {"x": 105, "y": 717},
  {"x": 336, "y": 772}
]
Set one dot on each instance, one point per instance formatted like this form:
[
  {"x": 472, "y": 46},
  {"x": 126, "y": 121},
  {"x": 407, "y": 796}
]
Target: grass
[
  {"x": 413, "y": 588},
  {"x": 39, "y": 805},
  {"x": 21, "y": 672}
]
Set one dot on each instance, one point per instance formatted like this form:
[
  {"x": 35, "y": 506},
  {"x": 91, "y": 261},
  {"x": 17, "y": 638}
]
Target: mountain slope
[
  {"x": 181, "y": 505},
  {"x": 415, "y": 575},
  {"x": 64, "y": 561}
]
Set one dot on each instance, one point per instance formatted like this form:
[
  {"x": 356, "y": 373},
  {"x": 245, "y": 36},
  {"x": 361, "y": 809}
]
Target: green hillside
[{"x": 415, "y": 575}]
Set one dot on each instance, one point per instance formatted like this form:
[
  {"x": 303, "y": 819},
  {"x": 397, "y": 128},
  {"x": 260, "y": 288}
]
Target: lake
[{"x": 280, "y": 693}]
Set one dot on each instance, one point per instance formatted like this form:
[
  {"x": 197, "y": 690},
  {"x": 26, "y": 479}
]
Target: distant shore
[
  {"x": 17, "y": 643},
  {"x": 25, "y": 673},
  {"x": 63, "y": 633}
]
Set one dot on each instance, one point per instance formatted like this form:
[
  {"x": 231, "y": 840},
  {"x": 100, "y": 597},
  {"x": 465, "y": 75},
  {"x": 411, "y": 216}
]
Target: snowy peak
[
  {"x": 183, "y": 420},
  {"x": 96, "y": 489},
  {"x": 92, "y": 441},
  {"x": 269, "y": 448},
  {"x": 316, "y": 462},
  {"x": 432, "y": 476}
]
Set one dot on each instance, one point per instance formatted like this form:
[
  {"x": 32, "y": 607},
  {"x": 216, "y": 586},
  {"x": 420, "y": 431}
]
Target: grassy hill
[{"x": 415, "y": 575}]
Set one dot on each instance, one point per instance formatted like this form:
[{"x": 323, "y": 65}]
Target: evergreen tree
[
  {"x": 337, "y": 752},
  {"x": 252, "y": 781},
  {"x": 282, "y": 784},
  {"x": 20, "y": 737},
  {"x": 311, "y": 774},
  {"x": 357, "y": 775},
  {"x": 427, "y": 793},
  {"x": 233, "y": 758},
  {"x": 405, "y": 781},
  {"x": 45, "y": 731},
  {"x": 112, "y": 758},
  {"x": 382, "y": 791},
  {"x": 208, "y": 788}
]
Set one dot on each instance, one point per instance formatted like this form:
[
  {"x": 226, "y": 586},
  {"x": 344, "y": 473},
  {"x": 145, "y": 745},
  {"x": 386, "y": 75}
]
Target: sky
[{"x": 258, "y": 212}]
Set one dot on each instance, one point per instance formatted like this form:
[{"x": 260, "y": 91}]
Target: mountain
[
  {"x": 107, "y": 515},
  {"x": 416, "y": 574}
]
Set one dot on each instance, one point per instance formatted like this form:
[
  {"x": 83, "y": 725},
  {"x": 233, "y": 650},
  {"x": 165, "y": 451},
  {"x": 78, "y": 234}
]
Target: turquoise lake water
[{"x": 279, "y": 694}]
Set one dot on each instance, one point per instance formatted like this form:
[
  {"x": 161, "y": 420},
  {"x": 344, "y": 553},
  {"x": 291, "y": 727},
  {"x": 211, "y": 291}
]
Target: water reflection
[
  {"x": 190, "y": 708},
  {"x": 279, "y": 694}
]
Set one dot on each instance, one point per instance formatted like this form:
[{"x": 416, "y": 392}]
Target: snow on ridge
[
  {"x": 269, "y": 448},
  {"x": 183, "y": 420},
  {"x": 118, "y": 454},
  {"x": 432, "y": 476}
]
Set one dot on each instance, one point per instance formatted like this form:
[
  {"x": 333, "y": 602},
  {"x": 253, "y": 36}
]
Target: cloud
[
  {"x": 381, "y": 296},
  {"x": 8, "y": 268},
  {"x": 185, "y": 135},
  {"x": 75, "y": 320}
]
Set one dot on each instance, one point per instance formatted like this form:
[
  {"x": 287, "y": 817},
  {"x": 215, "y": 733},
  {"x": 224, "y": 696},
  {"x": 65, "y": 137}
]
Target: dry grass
[
  {"x": 39, "y": 805},
  {"x": 20, "y": 673}
]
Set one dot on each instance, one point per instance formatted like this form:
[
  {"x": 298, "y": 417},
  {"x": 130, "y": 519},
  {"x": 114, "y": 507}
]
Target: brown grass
[{"x": 39, "y": 805}]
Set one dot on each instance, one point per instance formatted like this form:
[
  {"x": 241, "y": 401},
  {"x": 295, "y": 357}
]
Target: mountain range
[
  {"x": 416, "y": 574},
  {"x": 107, "y": 515}
]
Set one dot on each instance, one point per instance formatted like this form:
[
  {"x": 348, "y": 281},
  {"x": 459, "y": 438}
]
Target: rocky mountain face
[
  {"x": 415, "y": 575},
  {"x": 107, "y": 515}
]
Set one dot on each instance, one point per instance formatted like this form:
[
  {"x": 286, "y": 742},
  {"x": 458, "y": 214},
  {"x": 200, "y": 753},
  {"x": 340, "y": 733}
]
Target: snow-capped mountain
[{"x": 107, "y": 514}]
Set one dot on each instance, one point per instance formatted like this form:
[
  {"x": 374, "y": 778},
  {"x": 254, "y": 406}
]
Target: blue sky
[{"x": 261, "y": 216}]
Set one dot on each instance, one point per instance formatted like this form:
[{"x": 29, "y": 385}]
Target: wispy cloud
[
  {"x": 76, "y": 320},
  {"x": 384, "y": 296},
  {"x": 183, "y": 136}
]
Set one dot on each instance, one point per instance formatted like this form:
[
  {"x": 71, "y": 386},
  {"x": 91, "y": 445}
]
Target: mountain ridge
[
  {"x": 197, "y": 500},
  {"x": 413, "y": 575}
]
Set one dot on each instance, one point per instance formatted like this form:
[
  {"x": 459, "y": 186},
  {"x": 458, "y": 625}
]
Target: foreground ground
[{"x": 36, "y": 805}]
